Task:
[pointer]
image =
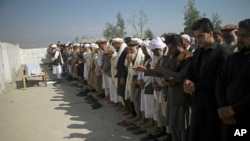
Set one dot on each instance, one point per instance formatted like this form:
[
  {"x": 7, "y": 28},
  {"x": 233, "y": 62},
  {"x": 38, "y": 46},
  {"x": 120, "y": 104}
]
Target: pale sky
[{"x": 37, "y": 23}]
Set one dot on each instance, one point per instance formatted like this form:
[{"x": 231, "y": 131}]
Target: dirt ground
[{"x": 55, "y": 113}]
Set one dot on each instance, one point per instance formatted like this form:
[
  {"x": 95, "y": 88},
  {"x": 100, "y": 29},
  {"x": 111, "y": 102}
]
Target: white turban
[
  {"x": 67, "y": 44},
  {"x": 93, "y": 45},
  {"x": 146, "y": 44},
  {"x": 53, "y": 46},
  {"x": 86, "y": 45},
  {"x": 156, "y": 43},
  {"x": 77, "y": 44},
  {"x": 187, "y": 37}
]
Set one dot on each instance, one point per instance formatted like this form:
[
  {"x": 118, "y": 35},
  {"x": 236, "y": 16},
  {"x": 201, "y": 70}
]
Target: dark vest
[{"x": 58, "y": 60}]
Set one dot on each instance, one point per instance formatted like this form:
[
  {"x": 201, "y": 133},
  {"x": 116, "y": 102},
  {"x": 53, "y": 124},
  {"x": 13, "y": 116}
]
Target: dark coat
[
  {"x": 232, "y": 87},
  {"x": 121, "y": 69},
  {"x": 204, "y": 74}
]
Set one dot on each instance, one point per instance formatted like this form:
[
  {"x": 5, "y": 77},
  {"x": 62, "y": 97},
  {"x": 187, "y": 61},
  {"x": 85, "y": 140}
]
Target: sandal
[
  {"x": 139, "y": 131},
  {"x": 134, "y": 127}
]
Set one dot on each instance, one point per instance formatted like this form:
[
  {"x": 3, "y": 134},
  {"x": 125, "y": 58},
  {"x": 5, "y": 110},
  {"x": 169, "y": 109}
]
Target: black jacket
[
  {"x": 233, "y": 86},
  {"x": 121, "y": 69},
  {"x": 204, "y": 73}
]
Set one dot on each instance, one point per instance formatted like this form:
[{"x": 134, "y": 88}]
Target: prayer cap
[
  {"x": 133, "y": 43},
  {"x": 139, "y": 41},
  {"x": 119, "y": 40},
  {"x": 101, "y": 41},
  {"x": 229, "y": 27}
]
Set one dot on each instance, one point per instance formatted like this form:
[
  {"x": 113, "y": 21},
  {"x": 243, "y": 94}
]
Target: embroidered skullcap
[
  {"x": 101, "y": 41},
  {"x": 229, "y": 27},
  {"x": 187, "y": 37},
  {"x": 139, "y": 41},
  {"x": 133, "y": 43},
  {"x": 156, "y": 43},
  {"x": 119, "y": 40},
  {"x": 53, "y": 46}
]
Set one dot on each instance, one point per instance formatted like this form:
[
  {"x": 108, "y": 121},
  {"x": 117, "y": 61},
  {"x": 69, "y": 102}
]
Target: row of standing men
[{"x": 191, "y": 93}]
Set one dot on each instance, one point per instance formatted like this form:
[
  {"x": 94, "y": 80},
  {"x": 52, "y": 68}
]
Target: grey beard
[{"x": 133, "y": 56}]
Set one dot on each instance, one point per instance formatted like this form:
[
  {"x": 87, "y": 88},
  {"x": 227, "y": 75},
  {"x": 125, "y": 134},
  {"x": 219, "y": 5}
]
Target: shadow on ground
[{"x": 96, "y": 124}]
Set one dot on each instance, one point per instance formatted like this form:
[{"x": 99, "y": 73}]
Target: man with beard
[
  {"x": 134, "y": 58},
  {"x": 200, "y": 83},
  {"x": 159, "y": 84},
  {"x": 232, "y": 89},
  {"x": 177, "y": 101},
  {"x": 147, "y": 90},
  {"x": 186, "y": 39},
  {"x": 57, "y": 62},
  {"x": 121, "y": 49},
  {"x": 230, "y": 37}
]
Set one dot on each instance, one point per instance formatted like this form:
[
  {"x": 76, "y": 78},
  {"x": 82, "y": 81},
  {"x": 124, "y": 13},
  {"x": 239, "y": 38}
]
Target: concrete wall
[
  {"x": 35, "y": 55},
  {"x": 10, "y": 63},
  {"x": 1, "y": 71},
  {"x": 12, "y": 57}
]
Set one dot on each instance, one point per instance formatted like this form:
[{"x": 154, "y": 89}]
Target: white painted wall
[
  {"x": 12, "y": 57},
  {"x": 1, "y": 71},
  {"x": 35, "y": 55}
]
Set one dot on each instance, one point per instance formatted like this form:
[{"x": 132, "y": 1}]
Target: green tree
[
  {"x": 148, "y": 33},
  {"x": 216, "y": 21},
  {"x": 191, "y": 15},
  {"x": 110, "y": 31}
]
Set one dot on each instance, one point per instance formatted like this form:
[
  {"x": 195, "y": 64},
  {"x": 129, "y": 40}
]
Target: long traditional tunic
[
  {"x": 130, "y": 92},
  {"x": 178, "y": 105},
  {"x": 57, "y": 63}
]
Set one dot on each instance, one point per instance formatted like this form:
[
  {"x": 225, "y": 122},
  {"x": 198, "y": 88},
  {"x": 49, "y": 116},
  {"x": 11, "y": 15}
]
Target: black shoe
[
  {"x": 55, "y": 84},
  {"x": 101, "y": 95},
  {"x": 148, "y": 137},
  {"x": 89, "y": 97},
  {"x": 91, "y": 101},
  {"x": 168, "y": 138},
  {"x": 163, "y": 133},
  {"x": 82, "y": 93},
  {"x": 92, "y": 90},
  {"x": 96, "y": 105}
]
